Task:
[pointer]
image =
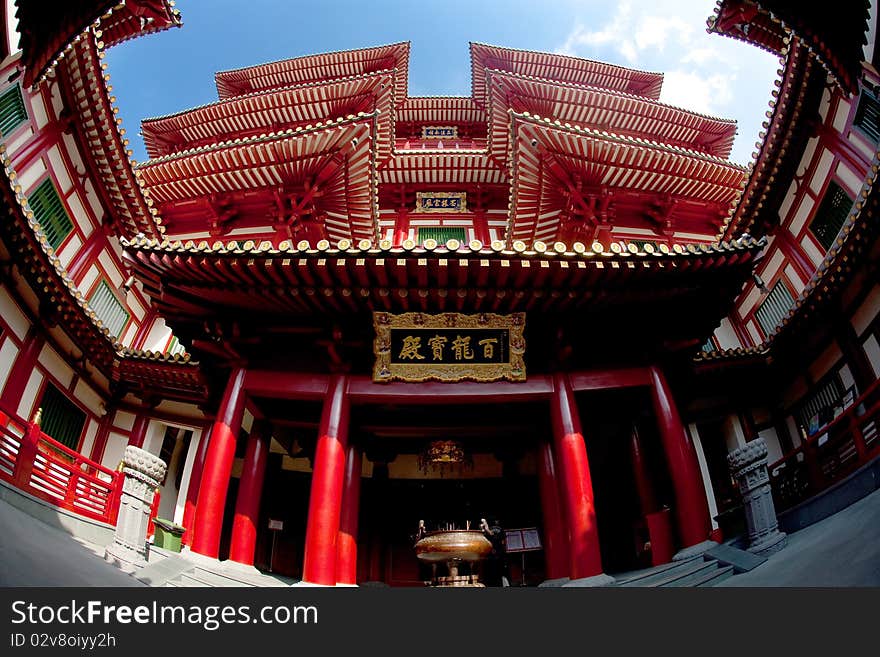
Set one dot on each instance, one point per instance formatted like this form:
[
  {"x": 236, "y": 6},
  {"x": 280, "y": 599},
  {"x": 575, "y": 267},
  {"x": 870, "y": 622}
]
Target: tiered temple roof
[{"x": 604, "y": 154}]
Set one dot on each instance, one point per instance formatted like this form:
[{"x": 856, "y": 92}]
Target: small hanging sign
[
  {"x": 439, "y": 132},
  {"x": 441, "y": 201}
]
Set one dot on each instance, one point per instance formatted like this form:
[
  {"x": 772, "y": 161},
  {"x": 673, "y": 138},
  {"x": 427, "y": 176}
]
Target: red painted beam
[
  {"x": 285, "y": 385},
  {"x": 363, "y": 391},
  {"x": 609, "y": 379}
]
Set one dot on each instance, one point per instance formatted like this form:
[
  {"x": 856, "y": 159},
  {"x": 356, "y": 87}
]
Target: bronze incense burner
[{"x": 453, "y": 547}]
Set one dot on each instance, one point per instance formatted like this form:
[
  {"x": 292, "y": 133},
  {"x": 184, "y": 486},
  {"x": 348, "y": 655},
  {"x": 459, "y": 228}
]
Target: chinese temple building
[{"x": 336, "y": 310}]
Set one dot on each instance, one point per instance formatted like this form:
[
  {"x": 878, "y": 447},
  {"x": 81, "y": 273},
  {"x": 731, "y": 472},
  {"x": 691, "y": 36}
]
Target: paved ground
[
  {"x": 843, "y": 550},
  {"x": 34, "y": 554}
]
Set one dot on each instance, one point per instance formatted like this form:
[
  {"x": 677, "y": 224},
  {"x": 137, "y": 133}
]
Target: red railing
[
  {"x": 43, "y": 467},
  {"x": 831, "y": 453},
  {"x": 404, "y": 144}
]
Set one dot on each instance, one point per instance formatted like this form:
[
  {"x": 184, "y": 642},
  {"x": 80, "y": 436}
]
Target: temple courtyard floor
[{"x": 840, "y": 551}]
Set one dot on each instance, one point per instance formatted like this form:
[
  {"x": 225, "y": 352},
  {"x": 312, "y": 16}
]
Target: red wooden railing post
[
  {"x": 858, "y": 437},
  {"x": 115, "y": 497},
  {"x": 814, "y": 472},
  {"x": 72, "y": 482},
  {"x": 27, "y": 453},
  {"x": 154, "y": 511}
]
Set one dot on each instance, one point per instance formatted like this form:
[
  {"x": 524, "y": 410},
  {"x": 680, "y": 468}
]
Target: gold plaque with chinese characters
[
  {"x": 446, "y": 202},
  {"x": 449, "y": 347}
]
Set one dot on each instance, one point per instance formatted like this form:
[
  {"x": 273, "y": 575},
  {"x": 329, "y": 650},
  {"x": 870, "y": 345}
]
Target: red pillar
[
  {"x": 577, "y": 487},
  {"x": 346, "y": 542},
  {"x": 192, "y": 490},
  {"x": 139, "y": 431},
  {"x": 218, "y": 468},
  {"x": 555, "y": 536},
  {"x": 250, "y": 490},
  {"x": 691, "y": 508},
  {"x": 401, "y": 226},
  {"x": 97, "y": 454},
  {"x": 21, "y": 370},
  {"x": 325, "y": 500},
  {"x": 647, "y": 499}
]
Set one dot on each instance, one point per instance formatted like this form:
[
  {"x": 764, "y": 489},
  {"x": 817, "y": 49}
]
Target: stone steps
[{"x": 698, "y": 571}]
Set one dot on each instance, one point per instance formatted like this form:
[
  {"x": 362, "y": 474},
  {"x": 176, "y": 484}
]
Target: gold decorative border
[
  {"x": 425, "y": 129},
  {"x": 384, "y": 370},
  {"x": 462, "y": 196}
]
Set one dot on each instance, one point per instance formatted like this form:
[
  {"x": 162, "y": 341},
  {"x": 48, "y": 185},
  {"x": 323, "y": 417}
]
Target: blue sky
[{"x": 174, "y": 70}]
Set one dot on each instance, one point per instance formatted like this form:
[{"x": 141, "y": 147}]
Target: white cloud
[
  {"x": 703, "y": 72},
  {"x": 655, "y": 31},
  {"x": 698, "y": 93}
]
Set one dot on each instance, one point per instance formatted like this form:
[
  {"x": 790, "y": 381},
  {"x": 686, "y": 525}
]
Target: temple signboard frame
[{"x": 418, "y": 347}]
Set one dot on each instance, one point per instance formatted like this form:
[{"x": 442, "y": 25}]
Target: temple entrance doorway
[
  {"x": 612, "y": 421},
  {"x": 493, "y": 476}
]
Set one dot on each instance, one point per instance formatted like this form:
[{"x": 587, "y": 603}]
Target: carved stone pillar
[
  {"x": 748, "y": 465},
  {"x": 142, "y": 472}
]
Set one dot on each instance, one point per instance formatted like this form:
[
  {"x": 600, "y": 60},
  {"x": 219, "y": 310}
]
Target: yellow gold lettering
[{"x": 410, "y": 349}]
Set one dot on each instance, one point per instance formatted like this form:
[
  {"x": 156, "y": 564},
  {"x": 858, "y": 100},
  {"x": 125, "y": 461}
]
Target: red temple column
[
  {"x": 691, "y": 508},
  {"x": 325, "y": 500},
  {"x": 555, "y": 536},
  {"x": 346, "y": 542},
  {"x": 21, "y": 370},
  {"x": 97, "y": 453},
  {"x": 139, "y": 431},
  {"x": 218, "y": 467},
  {"x": 585, "y": 560},
  {"x": 192, "y": 490},
  {"x": 644, "y": 487},
  {"x": 657, "y": 521},
  {"x": 250, "y": 490}
]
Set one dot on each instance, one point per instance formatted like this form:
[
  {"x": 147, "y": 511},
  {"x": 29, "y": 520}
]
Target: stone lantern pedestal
[
  {"x": 748, "y": 465},
  {"x": 143, "y": 472}
]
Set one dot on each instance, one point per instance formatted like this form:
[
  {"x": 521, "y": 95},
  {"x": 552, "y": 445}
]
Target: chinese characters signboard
[
  {"x": 439, "y": 132},
  {"x": 449, "y": 347},
  {"x": 441, "y": 201}
]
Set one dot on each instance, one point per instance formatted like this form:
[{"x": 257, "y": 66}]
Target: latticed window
[
  {"x": 868, "y": 116},
  {"x": 818, "y": 409},
  {"x": 62, "y": 419},
  {"x": 832, "y": 213},
  {"x": 774, "y": 307},
  {"x": 109, "y": 309},
  {"x": 12, "y": 110},
  {"x": 709, "y": 347},
  {"x": 49, "y": 211},
  {"x": 441, "y": 234}
]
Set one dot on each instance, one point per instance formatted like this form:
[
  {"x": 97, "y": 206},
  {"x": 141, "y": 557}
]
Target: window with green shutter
[
  {"x": 109, "y": 309},
  {"x": 62, "y": 419},
  {"x": 832, "y": 213},
  {"x": 174, "y": 347},
  {"x": 49, "y": 211},
  {"x": 868, "y": 116},
  {"x": 774, "y": 308},
  {"x": 441, "y": 234},
  {"x": 12, "y": 110}
]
